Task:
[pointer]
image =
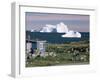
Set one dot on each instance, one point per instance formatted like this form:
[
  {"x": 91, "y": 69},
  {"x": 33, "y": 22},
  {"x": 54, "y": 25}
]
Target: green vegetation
[{"x": 62, "y": 54}]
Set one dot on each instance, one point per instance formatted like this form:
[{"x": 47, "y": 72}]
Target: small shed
[
  {"x": 41, "y": 46},
  {"x": 28, "y": 46}
]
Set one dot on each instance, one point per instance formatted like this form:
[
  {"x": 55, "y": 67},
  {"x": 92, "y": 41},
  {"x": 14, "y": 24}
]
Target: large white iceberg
[
  {"x": 61, "y": 28},
  {"x": 48, "y": 28}
]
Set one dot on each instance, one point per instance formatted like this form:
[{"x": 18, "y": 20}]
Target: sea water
[{"x": 55, "y": 38}]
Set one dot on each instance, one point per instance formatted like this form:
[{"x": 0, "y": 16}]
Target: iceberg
[
  {"x": 72, "y": 34},
  {"x": 61, "y": 28},
  {"x": 48, "y": 28},
  {"x": 32, "y": 30}
]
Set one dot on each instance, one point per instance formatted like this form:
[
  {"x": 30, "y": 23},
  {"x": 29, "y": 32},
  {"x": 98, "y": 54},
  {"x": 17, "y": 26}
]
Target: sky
[{"x": 36, "y": 21}]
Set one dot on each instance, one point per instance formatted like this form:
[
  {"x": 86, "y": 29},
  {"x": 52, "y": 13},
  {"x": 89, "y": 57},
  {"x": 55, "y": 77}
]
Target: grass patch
[{"x": 71, "y": 53}]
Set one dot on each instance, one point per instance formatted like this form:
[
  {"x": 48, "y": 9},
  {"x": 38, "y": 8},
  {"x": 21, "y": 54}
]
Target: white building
[
  {"x": 41, "y": 47},
  {"x": 28, "y": 46}
]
